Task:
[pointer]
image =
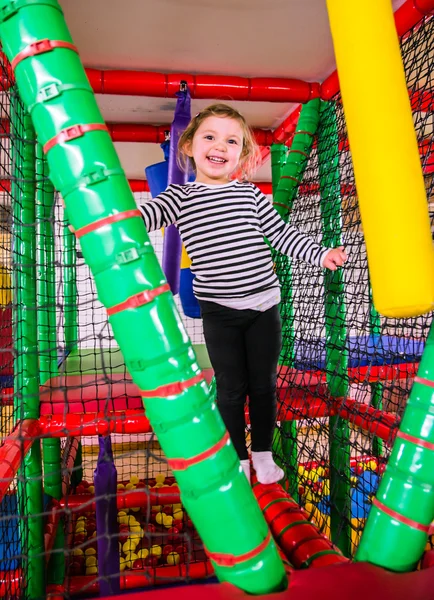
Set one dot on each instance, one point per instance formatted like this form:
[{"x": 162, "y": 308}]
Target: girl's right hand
[{"x": 335, "y": 258}]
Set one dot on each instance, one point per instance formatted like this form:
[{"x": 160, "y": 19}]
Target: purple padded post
[
  {"x": 105, "y": 482},
  {"x": 172, "y": 246}
]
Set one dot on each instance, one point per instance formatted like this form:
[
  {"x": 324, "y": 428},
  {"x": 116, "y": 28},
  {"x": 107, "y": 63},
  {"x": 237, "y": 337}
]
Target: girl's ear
[{"x": 187, "y": 149}]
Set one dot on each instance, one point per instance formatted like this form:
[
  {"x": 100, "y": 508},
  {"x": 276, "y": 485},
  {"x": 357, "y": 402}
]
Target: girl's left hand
[{"x": 335, "y": 258}]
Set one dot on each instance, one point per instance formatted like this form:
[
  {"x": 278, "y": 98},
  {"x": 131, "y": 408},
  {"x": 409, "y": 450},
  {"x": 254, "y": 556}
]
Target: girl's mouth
[{"x": 216, "y": 160}]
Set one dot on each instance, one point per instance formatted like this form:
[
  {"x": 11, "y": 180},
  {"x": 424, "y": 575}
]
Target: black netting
[
  {"x": 354, "y": 362},
  {"x": 337, "y": 419}
]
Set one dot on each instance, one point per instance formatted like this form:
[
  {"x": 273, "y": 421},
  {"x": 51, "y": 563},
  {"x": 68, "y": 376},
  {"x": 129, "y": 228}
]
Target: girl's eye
[
  {"x": 208, "y": 137},
  {"x": 232, "y": 141}
]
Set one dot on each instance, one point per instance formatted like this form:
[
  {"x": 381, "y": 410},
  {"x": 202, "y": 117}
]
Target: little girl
[{"x": 223, "y": 222}]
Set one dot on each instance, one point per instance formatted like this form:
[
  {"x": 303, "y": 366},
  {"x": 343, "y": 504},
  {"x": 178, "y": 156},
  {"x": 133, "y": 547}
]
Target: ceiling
[{"x": 249, "y": 38}]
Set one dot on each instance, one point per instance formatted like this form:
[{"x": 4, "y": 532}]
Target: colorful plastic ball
[{"x": 172, "y": 558}]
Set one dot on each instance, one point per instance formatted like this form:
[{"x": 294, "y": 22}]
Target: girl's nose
[{"x": 221, "y": 145}]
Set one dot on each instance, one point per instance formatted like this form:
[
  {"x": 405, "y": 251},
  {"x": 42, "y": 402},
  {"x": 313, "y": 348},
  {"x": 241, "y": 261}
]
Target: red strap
[
  {"x": 72, "y": 133},
  {"x": 305, "y": 133},
  {"x": 423, "y": 381},
  {"x": 181, "y": 464},
  {"x": 415, "y": 440},
  {"x": 171, "y": 389},
  {"x": 230, "y": 560},
  {"x": 300, "y": 152},
  {"x": 40, "y": 47},
  {"x": 290, "y": 177},
  {"x": 280, "y": 204},
  {"x": 139, "y": 299},
  {"x": 127, "y": 214},
  {"x": 398, "y": 517}
]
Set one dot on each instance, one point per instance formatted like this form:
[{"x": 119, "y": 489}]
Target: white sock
[
  {"x": 246, "y": 468},
  {"x": 266, "y": 469}
]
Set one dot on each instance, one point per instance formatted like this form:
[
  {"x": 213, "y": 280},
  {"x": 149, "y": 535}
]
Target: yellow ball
[
  {"x": 177, "y": 507},
  {"x": 143, "y": 553},
  {"x": 80, "y": 528},
  {"x": 167, "y": 520},
  {"x": 77, "y": 552},
  {"x": 130, "y": 486},
  {"x": 372, "y": 465},
  {"x": 157, "y": 507},
  {"x": 122, "y": 563},
  {"x": 134, "y": 479},
  {"x": 160, "y": 478},
  {"x": 178, "y": 514},
  {"x": 90, "y": 551},
  {"x": 135, "y": 508},
  {"x": 172, "y": 558},
  {"x": 91, "y": 489},
  {"x": 130, "y": 557},
  {"x": 135, "y": 528},
  {"x": 159, "y": 518},
  {"x": 91, "y": 570},
  {"x": 91, "y": 561},
  {"x": 120, "y": 486},
  {"x": 123, "y": 520},
  {"x": 156, "y": 550},
  {"x": 129, "y": 546}
]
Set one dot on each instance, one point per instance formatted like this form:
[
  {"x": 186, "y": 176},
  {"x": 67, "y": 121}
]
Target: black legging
[{"x": 244, "y": 347}]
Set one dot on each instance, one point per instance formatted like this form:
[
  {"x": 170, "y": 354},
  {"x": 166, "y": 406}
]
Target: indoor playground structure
[{"x": 117, "y": 474}]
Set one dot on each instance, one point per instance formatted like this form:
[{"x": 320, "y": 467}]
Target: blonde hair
[{"x": 250, "y": 155}]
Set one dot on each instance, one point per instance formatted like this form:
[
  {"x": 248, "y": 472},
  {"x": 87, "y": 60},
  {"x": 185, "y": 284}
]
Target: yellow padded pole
[
  {"x": 185, "y": 259},
  {"x": 384, "y": 148}
]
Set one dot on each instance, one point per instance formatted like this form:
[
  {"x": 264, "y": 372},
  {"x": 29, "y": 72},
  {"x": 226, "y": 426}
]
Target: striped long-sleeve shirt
[{"x": 222, "y": 228}]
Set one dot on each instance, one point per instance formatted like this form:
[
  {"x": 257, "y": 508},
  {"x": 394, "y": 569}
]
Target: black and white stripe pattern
[{"x": 223, "y": 229}]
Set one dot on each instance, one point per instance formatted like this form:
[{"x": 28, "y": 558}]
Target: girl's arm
[
  {"x": 292, "y": 242},
  {"x": 163, "y": 210}
]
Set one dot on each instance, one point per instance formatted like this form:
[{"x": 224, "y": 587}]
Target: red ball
[
  {"x": 138, "y": 563},
  {"x": 168, "y": 510},
  {"x": 178, "y": 523},
  {"x": 75, "y": 568},
  {"x": 79, "y": 538},
  {"x": 150, "y": 528},
  {"x": 167, "y": 549},
  {"x": 123, "y": 536},
  {"x": 151, "y": 561},
  {"x": 80, "y": 489},
  {"x": 173, "y": 534}
]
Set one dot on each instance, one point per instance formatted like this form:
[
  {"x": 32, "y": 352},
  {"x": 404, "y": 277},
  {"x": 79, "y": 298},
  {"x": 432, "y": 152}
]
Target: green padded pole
[
  {"x": 70, "y": 306},
  {"x": 45, "y": 269},
  {"x": 284, "y": 450},
  {"x": 376, "y": 386},
  {"x": 26, "y": 369},
  {"x": 335, "y": 329},
  {"x": 291, "y": 174},
  {"x": 396, "y": 531},
  {"x": 85, "y": 168},
  {"x": 47, "y": 342}
]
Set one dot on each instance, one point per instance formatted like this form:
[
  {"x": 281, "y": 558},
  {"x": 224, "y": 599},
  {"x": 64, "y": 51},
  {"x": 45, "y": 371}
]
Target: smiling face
[{"x": 216, "y": 149}]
